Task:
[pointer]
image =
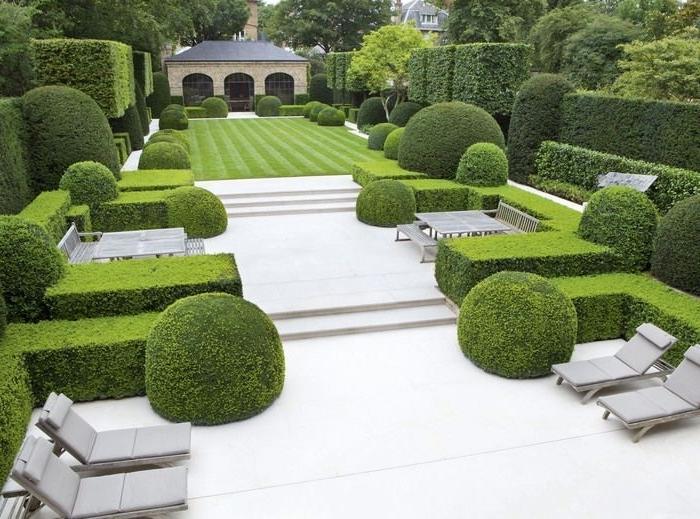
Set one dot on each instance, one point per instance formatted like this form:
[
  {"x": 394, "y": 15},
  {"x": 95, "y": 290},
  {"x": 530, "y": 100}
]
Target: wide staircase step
[{"x": 289, "y": 202}]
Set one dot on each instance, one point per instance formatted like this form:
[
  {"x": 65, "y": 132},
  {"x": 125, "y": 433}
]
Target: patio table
[
  {"x": 459, "y": 223},
  {"x": 134, "y": 244}
]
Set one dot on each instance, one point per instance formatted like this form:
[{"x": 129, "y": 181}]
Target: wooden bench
[
  {"x": 77, "y": 250},
  {"x": 517, "y": 220},
  {"x": 194, "y": 247},
  {"x": 414, "y": 232}
]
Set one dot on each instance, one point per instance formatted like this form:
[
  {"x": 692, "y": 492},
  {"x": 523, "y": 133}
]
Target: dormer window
[{"x": 429, "y": 19}]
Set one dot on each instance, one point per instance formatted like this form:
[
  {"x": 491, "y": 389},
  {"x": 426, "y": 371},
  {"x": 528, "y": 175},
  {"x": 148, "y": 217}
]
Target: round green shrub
[
  {"x": 378, "y": 135},
  {"x": 331, "y": 117},
  {"x": 160, "y": 98},
  {"x": 213, "y": 359},
  {"x": 64, "y": 126},
  {"x": 215, "y": 107},
  {"x": 676, "y": 258},
  {"x": 392, "y": 142},
  {"x": 179, "y": 135},
  {"x": 141, "y": 109},
  {"x": 437, "y": 137},
  {"x": 536, "y": 118},
  {"x": 624, "y": 220},
  {"x": 173, "y": 119},
  {"x": 315, "y": 111},
  {"x": 310, "y": 106},
  {"x": 164, "y": 155},
  {"x": 371, "y": 113},
  {"x": 483, "y": 164},
  {"x": 319, "y": 91},
  {"x": 29, "y": 263},
  {"x": 89, "y": 183},
  {"x": 199, "y": 211},
  {"x": 403, "y": 112},
  {"x": 268, "y": 106},
  {"x": 165, "y": 138},
  {"x": 386, "y": 203},
  {"x": 517, "y": 325},
  {"x": 130, "y": 123}
]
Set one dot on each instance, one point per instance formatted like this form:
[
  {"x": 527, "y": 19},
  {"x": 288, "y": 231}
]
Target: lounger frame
[{"x": 646, "y": 425}]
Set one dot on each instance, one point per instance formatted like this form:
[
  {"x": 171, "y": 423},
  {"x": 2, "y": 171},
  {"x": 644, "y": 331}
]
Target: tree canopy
[
  {"x": 493, "y": 20},
  {"x": 16, "y": 71}
]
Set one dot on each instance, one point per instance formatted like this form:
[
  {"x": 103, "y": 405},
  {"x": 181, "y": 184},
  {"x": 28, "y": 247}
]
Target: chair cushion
[
  {"x": 157, "y": 488},
  {"x": 77, "y": 436},
  {"x": 37, "y": 461},
  {"x": 162, "y": 440},
  {"x": 640, "y": 353},
  {"x": 114, "y": 445},
  {"x": 656, "y": 335},
  {"x": 646, "y": 404},
  {"x": 685, "y": 380},
  {"x": 98, "y": 496},
  {"x": 56, "y": 409},
  {"x": 587, "y": 372}
]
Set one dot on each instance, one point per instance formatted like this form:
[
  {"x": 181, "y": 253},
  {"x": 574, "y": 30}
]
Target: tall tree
[
  {"x": 493, "y": 20},
  {"x": 215, "y": 20}
]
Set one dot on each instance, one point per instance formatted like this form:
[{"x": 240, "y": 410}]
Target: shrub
[
  {"x": 319, "y": 91},
  {"x": 179, "y": 135},
  {"x": 173, "y": 119},
  {"x": 64, "y": 126},
  {"x": 130, "y": 123},
  {"x": 196, "y": 112},
  {"x": 160, "y": 98},
  {"x": 676, "y": 258},
  {"x": 352, "y": 115},
  {"x": 16, "y": 404},
  {"x": 132, "y": 211},
  {"x": 437, "y": 137},
  {"x": 371, "y": 112},
  {"x": 364, "y": 173},
  {"x": 483, "y": 164},
  {"x": 164, "y": 155},
  {"x": 331, "y": 117},
  {"x": 624, "y": 220},
  {"x": 417, "y": 75},
  {"x": 403, "y": 112},
  {"x": 155, "y": 180},
  {"x": 392, "y": 142},
  {"x": 386, "y": 203},
  {"x": 440, "y": 65},
  {"x": 436, "y": 196},
  {"x": 143, "y": 71},
  {"x": 127, "y": 140},
  {"x": 536, "y": 118},
  {"x": 561, "y": 189},
  {"x": 164, "y": 138},
  {"x": 268, "y": 106},
  {"x": 29, "y": 263},
  {"x": 199, "y": 211},
  {"x": 315, "y": 111},
  {"x": 517, "y": 325},
  {"x": 120, "y": 143},
  {"x": 310, "y": 106},
  {"x": 215, "y": 107},
  {"x": 235, "y": 349},
  {"x": 142, "y": 110},
  {"x": 14, "y": 176},
  {"x": 49, "y": 211},
  {"x": 89, "y": 183},
  {"x": 301, "y": 99},
  {"x": 378, "y": 135},
  {"x": 291, "y": 111},
  {"x": 80, "y": 216}
]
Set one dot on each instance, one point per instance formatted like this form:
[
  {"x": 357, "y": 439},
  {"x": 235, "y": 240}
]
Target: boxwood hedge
[
  {"x": 16, "y": 404},
  {"x": 331, "y": 117},
  {"x": 143, "y": 71},
  {"x": 200, "y": 212},
  {"x": 371, "y": 113},
  {"x": 440, "y": 62},
  {"x": 268, "y": 106},
  {"x": 132, "y": 211},
  {"x": 378, "y": 135},
  {"x": 292, "y": 110},
  {"x": 48, "y": 211},
  {"x": 434, "y": 195},
  {"x": 130, "y": 123},
  {"x": 386, "y": 203},
  {"x": 89, "y": 183},
  {"x": 403, "y": 112},
  {"x": 392, "y": 143},
  {"x": 14, "y": 176},
  {"x": 215, "y": 107},
  {"x": 155, "y": 179},
  {"x": 164, "y": 155},
  {"x": 364, "y": 173}
]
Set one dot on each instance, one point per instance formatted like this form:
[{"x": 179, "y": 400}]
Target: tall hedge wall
[
  {"x": 336, "y": 75},
  {"x": 14, "y": 179},
  {"x": 143, "y": 71},
  {"x": 102, "y": 69},
  {"x": 440, "y": 67},
  {"x": 417, "y": 73}
]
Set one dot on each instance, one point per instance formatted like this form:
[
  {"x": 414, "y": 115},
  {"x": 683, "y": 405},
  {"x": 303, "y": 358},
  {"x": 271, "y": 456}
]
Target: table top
[
  {"x": 132, "y": 244},
  {"x": 461, "y": 222}
]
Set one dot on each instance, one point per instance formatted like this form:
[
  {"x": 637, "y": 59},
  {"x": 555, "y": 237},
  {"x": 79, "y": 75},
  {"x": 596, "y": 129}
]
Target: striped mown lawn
[{"x": 275, "y": 147}]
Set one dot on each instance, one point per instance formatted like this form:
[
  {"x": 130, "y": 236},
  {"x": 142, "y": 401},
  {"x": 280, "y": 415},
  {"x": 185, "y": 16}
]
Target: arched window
[
  {"x": 196, "y": 88},
  {"x": 282, "y": 86},
  {"x": 240, "y": 90}
]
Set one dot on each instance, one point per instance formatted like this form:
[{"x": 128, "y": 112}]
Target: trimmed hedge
[
  {"x": 319, "y": 91},
  {"x": 237, "y": 353},
  {"x": 127, "y": 140},
  {"x": 378, "y": 135},
  {"x": 316, "y": 111},
  {"x": 291, "y": 111},
  {"x": 386, "y": 203},
  {"x": 392, "y": 143},
  {"x": 143, "y": 71},
  {"x": 199, "y": 211},
  {"x": 170, "y": 135},
  {"x": 371, "y": 113},
  {"x": 173, "y": 118},
  {"x": 417, "y": 75},
  {"x": 331, "y": 117},
  {"x": 310, "y": 106},
  {"x": 89, "y": 183},
  {"x": 80, "y": 216},
  {"x": 196, "y": 112},
  {"x": 364, "y": 173},
  {"x": 142, "y": 110},
  {"x": 440, "y": 63},
  {"x": 483, "y": 164},
  {"x": 132, "y": 287},
  {"x": 120, "y": 144},
  {"x": 160, "y": 98},
  {"x": 215, "y": 107},
  {"x": 155, "y": 179},
  {"x": 164, "y": 155},
  {"x": 16, "y": 404},
  {"x": 403, "y": 112},
  {"x": 130, "y": 123},
  {"x": 352, "y": 115},
  {"x": 436, "y": 196},
  {"x": 561, "y": 189},
  {"x": 268, "y": 106},
  {"x": 517, "y": 325},
  {"x": 301, "y": 99},
  {"x": 132, "y": 211},
  {"x": 14, "y": 175},
  {"x": 48, "y": 211},
  {"x": 101, "y": 69}
]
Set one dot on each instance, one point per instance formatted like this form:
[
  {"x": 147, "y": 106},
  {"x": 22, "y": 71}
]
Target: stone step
[
  {"x": 277, "y": 201},
  {"x": 290, "y": 193},
  {"x": 300, "y": 208}
]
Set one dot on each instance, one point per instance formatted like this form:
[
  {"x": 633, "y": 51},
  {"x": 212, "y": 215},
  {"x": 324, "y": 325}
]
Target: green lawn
[{"x": 252, "y": 148}]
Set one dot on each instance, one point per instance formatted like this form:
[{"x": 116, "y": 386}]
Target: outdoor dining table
[
  {"x": 459, "y": 223},
  {"x": 134, "y": 244}
]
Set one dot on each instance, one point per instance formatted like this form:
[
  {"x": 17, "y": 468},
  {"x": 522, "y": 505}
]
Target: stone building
[{"x": 427, "y": 18}]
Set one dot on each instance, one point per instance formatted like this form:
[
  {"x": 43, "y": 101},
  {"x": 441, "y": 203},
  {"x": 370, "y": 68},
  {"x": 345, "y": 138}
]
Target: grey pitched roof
[
  {"x": 416, "y": 9},
  {"x": 235, "y": 51}
]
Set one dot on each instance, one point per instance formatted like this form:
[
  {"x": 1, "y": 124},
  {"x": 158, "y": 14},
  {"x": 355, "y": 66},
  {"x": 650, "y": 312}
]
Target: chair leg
[
  {"x": 641, "y": 433},
  {"x": 606, "y": 414},
  {"x": 587, "y": 397},
  {"x": 560, "y": 380}
]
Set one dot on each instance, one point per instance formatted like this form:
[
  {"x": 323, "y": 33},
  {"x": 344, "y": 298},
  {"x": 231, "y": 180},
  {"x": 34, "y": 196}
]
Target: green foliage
[
  {"x": 120, "y": 143},
  {"x": 164, "y": 155},
  {"x": 80, "y": 216},
  {"x": 331, "y": 117},
  {"x": 132, "y": 211},
  {"x": 171, "y": 139},
  {"x": 154, "y": 180},
  {"x": 291, "y": 111},
  {"x": 16, "y": 404},
  {"x": 132, "y": 287},
  {"x": 561, "y": 189},
  {"x": 436, "y": 196},
  {"x": 536, "y": 118},
  {"x": 437, "y": 137},
  {"x": 392, "y": 142},
  {"x": 301, "y": 99},
  {"x": 677, "y": 247},
  {"x": 196, "y": 112},
  {"x": 130, "y": 123},
  {"x": 215, "y": 107},
  {"x": 371, "y": 112},
  {"x": 319, "y": 91},
  {"x": 16, "y": 53},
  {"x": 142, "y": 111},
  {"x": 386, "y": 203},
  {"x": 101, "y": 69},
  {"x": 143, "y": 72},
  {"x": 199, "y": 211},
  {"x": 235, "y": 350},
  {"x": 308, "y": 107},
  {"x": 89, "y": 183},
  {"x": 352, "y": 115},
  {"x": 403, "y": 112},
  {"x": 517, "y": 325},
  {"x": 64, "y": 126},
  {"x": 14, "y": 175},
  {"x": 160, "y": 98},
  {"x": 378, "y": 135},
  {"x": 48, "y": 211},
  {"x": 493, "y": 20},
  {"x": 268, "y": 106},
  {"x": 418, "y": 75},
  {"x": 127, "y": 140},
  {"x": 440, "y": 63},
  {"x": 483, "y": 164},
  {"x": 173, "y": 117},
  {"x": 316, "y": 111},
  {"x": 29, "y": 263},
  {"x": 364, "y": 173},
  {"x": 170, "y": 135}
]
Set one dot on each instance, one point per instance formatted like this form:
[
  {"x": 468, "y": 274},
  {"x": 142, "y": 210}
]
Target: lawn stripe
[
  {"x": 226, "y": 150},
  {"x": 322, "y": 135},
  {"x": 248, "y": 133}
]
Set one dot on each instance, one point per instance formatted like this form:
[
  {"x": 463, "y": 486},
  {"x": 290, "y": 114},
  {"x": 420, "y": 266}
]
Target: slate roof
[
  {"x": 209, "y": 51},
  {"x": 415, "y": 9}
]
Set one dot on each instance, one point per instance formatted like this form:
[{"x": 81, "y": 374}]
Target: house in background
[{"x": 427, "y": 18}]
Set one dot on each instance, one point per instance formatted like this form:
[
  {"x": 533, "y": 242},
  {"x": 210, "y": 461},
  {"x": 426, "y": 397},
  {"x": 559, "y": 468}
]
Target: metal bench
[
  {"x": 517, "y": 220},
  {"x": 75, "y": 249},
  {"x": 194, "y": 247},
  {"x": 414, "y": 232}
]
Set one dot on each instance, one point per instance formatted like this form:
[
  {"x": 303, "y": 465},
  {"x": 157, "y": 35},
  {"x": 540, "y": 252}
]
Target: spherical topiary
[
  {"x": 392, "y": 142},
  {"x": 676, "y": 258},
  {"x": 164, "y": 155},
  {"x": 129, "y": 123},
  {"x": 437, "y": 137},
  {"x": 164, "y": 138},
  {"x": 215, "y": 107},
  {"x": 483, "y": 164},
  {"x": 386, "y": 203},
  {"x": 331, "y": 117},
  {"x": 29, "y": 263},
  {"x": 623, "y": 219},
  {"x": 268, "y": 106},
  {"x": 517, "y": 325},
  {"x": 213, "y": 359},
  {"x": 319, "y": 91},
  {"x": 160, "y": 98},
  {"x": 199, "y": 211},
  {"x": 181, "y": 136},
  {"x": 64, "y": 126},
  {"x": 89, "y": 183},
  {"x": 403, "y": 112},
  {"x": 378, "y": 135},
  {"x": 173, "y": 119},
  {"x": 371, "y": 113},
  {"x": 316, "y": 110},
  {"x": 310, "y": 106}
]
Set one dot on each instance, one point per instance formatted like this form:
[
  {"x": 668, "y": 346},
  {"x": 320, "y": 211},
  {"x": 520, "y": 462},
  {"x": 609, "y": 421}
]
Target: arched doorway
[
  {"x": 240, "y": 90},
  {"x": 196, "y": 88},
  {"x": 281, "y": 85}
]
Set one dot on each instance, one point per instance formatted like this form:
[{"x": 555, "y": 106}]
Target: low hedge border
[
  {"x": 196, "y": 112},
  {"x": 292, "y": 110},
  {"x": 364, "y": 173},
  {"x": 49, "y": 211},
  {"x": 127, "y": 140},
  {"x": 433, "y": 195},
  {"x": 352, "y": 115},
  {"x": 155, "y": 180},
  {"x": 132, "y": 211},
  {"x": 80, "y": 216}
]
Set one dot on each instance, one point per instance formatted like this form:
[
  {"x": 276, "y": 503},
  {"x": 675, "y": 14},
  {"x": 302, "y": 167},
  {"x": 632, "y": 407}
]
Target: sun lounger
[{"x": 639, "y": 359}]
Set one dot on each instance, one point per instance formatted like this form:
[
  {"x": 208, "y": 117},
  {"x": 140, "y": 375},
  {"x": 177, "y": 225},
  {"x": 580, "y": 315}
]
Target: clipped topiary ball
[
  {"x": 89, "y": 183},
  {"x": 483, "y": 164},
  {"x": 386, "y": 203},
  {"x": 29, "y": 263},
  {"x": 517, "y": 325},
  {"x": 181, "y": 136},
  {"x": 199, "y": 211},
  {"x": 378, "y": 135},
  {"x": 164, "y": 155},
  {"x": 316, "y": 111},
  {"x": 437, "y": 137},
  {"x": 318, "y": 89},
  {"x": 268, "y": 106},
  {"x": 624, "y": 220},
  {"x": 676, "y": 258},
  {"x": 392, "y": 142},
  {"x": 215, "y": 107},
  {"x": 403, "y": 112},
  {"x": 165, "y": 138},
  {"x": 173, "y": 119},
  {"x": 371, "y": 113},
  {"x": 213, "y": 359},
  {"x": 310, "y": 106},
  {"x": 331, "y": 117}
]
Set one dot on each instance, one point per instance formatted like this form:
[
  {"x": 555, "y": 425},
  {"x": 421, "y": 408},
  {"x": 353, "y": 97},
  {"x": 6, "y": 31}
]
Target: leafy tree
[
  {"x": 638, "y": 11},
  {"x": 215, "y": 20},
  {"x": 316, "y": 59},
  {"x": 16, "y": 72},
  {"x": 493, "y": 20}
]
